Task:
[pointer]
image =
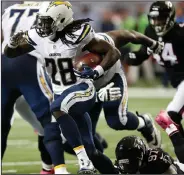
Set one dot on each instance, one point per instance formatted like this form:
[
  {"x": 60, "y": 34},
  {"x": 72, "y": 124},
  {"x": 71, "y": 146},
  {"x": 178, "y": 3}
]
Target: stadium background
[{"x": 149, "y": 89}]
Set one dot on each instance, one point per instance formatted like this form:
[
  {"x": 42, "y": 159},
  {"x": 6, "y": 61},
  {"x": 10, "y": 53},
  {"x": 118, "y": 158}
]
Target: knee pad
[
  {"x": 51, "y": 132},
  {"x": 176, "y": 117}
]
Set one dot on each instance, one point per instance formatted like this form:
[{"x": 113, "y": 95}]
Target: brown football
[{"x": 90, "y": 59}]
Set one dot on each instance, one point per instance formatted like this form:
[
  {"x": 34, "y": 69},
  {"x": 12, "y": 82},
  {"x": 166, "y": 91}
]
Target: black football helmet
[
  {"x": 130, "y": 152},
  {"x": 161, "y": 16}
]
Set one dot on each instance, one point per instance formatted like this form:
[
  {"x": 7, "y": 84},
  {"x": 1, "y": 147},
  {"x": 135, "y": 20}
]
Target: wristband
[
  {"x": 100, "y": 70},
  {"x": 171, "y": 129}
]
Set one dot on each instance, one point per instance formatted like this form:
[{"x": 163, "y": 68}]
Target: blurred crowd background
[{"x": 108, "y": 16}]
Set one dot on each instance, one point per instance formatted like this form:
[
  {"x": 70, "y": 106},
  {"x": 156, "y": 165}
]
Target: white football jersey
[
  {"x": 59, "y": 56},
  {"x": 116, "y": 68},
  {"x": 19, "y": 17}
]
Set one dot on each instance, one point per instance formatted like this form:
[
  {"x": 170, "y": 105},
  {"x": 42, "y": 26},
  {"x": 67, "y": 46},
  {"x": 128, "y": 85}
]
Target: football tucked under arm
[
  {"x": 110, "y": 53},
  {"x": 89, "y": 59}
]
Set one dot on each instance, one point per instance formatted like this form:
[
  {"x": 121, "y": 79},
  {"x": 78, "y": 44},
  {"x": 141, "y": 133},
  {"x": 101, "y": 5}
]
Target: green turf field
[{"x": 22, "y": 155}]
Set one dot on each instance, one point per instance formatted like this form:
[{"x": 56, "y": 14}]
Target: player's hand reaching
[
  {"x": 156, "y": 48},
  {"x": 16, "y": 39},
  {"x": 87, "y": 72},
  {"x": 109, "y": 93}
]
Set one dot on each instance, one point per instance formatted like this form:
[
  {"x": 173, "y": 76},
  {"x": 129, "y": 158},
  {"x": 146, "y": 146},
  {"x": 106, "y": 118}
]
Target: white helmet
[
  {"x": 53, "y": 16},
  {"x": 32, "y": 2}
]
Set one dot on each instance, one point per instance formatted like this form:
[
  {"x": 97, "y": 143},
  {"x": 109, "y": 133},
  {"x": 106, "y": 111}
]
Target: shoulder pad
[{"x": 83, "y": 32}]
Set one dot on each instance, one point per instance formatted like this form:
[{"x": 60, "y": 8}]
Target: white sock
[
  {"x": 46, "y": 167},
  {"x": 141, "y": 123},
  {"x": 171, "y": 129},
  {"x": 60, "y": 169},
  {"x": 81, "y": 155}
]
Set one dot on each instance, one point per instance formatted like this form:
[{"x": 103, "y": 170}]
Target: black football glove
[
  {"x": 87, "y": 73},
  {"x": 156, "y": 49},
  {"x": 16, "y": 39}
]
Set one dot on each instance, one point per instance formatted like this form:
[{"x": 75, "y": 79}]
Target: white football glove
[
  {"x": 109, "y": 93},
  {"x": 16, "y": 39}
]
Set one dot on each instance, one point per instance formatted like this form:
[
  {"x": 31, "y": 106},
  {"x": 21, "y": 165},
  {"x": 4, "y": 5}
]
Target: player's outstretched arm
[
  {"x": 122, "y": 37},
  {"x": 18, "y": 45},
  {"x": 101, "y": 47},
  {"x": 136, "y": 58}
]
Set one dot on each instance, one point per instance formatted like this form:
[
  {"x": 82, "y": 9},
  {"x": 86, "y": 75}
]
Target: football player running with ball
[
  {"x": 112, "y": 89},
  {"x": 163, "y": 28},
  {"x": 59, "y": 38}
]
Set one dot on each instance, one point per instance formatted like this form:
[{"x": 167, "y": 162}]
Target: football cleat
[
  {"x": 47, "y": 172},
  {"x": 87, "y": 171},
  {"x": 150, "y": 132},
  {"x": 88, "y": 168}
]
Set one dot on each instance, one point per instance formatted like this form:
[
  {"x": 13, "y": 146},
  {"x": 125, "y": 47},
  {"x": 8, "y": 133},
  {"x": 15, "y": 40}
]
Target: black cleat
[
  {"x": 87, "y": 171},
  {"x": 150, "y": 132}
]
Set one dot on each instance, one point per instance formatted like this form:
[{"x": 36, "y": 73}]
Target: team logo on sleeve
[{"x": 56, "y": 3}]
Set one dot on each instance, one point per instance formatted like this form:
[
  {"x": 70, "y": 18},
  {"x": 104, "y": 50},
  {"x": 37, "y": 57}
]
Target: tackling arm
[
  {"x": 123, "y": 37},
  {"x": 137, "y": 57}
]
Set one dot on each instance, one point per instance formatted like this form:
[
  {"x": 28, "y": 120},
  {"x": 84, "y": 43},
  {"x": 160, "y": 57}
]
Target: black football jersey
[
  {"x": 172, "y": 56},
  {"x": 157, "y": 161}
]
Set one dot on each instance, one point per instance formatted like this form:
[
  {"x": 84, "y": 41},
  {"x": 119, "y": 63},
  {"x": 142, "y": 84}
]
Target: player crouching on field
[{"x": 134, "y": 157}]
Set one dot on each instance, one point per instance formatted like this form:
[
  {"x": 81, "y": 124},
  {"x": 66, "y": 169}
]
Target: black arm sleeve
[
  {"x": 20, "y": 50},
  {"x": 137, "y": 57}
]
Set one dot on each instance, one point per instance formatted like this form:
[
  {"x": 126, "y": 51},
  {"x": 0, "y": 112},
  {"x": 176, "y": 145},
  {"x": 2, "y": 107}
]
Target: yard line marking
[
  {"x": 9, "y": 171},
  {"x": 14, "y": 142},
  {"x": 5, "y": 164},
  {"x": 32, "y": 163}
]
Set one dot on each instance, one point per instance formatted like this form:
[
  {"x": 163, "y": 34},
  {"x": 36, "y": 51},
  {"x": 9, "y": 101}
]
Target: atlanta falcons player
[{"x": 162, "y": 27}]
